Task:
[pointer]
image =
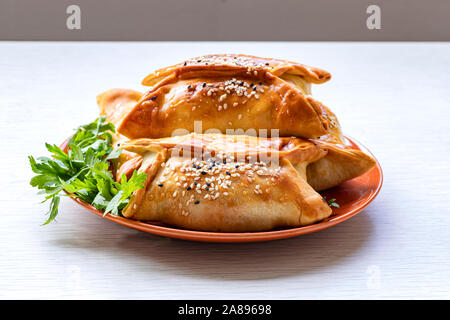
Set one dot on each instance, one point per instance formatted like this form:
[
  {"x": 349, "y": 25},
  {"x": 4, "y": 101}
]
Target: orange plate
[{"x": 353, "y": 196}]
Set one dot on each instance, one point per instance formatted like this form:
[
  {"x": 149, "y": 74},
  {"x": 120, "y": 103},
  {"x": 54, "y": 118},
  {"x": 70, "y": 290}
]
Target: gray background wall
[{"x": 409, "y": 20}]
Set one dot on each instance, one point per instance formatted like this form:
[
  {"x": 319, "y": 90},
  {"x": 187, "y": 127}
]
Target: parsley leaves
[
  {"x": 84, "y": 172},
  {"x": 333, "y": 203}
]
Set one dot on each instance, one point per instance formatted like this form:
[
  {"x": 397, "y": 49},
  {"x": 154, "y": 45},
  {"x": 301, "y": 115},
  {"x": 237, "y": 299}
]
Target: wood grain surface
[{"x": 393, "y": 97}]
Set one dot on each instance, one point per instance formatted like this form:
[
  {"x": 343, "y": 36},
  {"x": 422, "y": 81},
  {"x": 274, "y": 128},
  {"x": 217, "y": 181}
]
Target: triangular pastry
[
  {"x": 342, "y": 162},
  {"x": 225, "y": 183},
  {"x": 115, "y": 104},
  {"x": 226, "y": 93}
]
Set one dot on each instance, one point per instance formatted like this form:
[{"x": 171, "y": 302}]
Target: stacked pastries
[{"x": 230, "y": 143}]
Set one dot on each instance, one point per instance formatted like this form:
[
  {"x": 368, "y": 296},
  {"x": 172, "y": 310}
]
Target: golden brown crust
[
  {"x": 341, "y": 163},
  {"x": 238, "y": 64},
  {"x": 237, "y": 146},
  {"x": 223, "y": 192},
  {"x": 127, "y": 163},
  {"x": 234, "y": 94},
  {"x": 228, "y": 92},
  {"x": 257, "y": 105},
  {"x": 116, "y": 103},
  {"x": 330, "y": 122}
]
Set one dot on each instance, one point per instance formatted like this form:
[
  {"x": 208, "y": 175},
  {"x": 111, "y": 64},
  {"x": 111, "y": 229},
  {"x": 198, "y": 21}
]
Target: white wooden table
[{"x": 393, "y": 97}]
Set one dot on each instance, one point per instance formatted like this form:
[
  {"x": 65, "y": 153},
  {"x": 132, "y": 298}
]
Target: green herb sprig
[
  {"x": 332, "y": 203},
  {"x": 84, "y": 172}
]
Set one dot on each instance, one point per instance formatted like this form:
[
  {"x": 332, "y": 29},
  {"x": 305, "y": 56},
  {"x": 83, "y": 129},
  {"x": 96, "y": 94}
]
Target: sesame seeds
[
  {"x": 216, "y": 178},
  {"x": 232, "y": 87},
  {"x": 184, "y": 213},
  {"x": 252, "y": 65},
  {"x": 257, "y": 189},
  {"x": 228, "y": 93}
]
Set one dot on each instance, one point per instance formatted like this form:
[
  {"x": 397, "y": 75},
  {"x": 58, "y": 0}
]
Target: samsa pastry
[
  {"x": 341, "y": 162},
  {"x": 225, "y": 93},
  {"x": 226, "y": 183},
  {"x": 115, "y": 104}
]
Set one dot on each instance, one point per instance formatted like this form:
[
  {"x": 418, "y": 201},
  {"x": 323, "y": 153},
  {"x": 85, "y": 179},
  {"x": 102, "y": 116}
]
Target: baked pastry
[
  {"x": 226, "y": 93},
  {"x": 216, "y": 182},
  {"x": 340, "y": 164},
  {"x": 233, "y": 173},
  {"x": 233, "y": 182},
  {"x": 115, "y": 104}
]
